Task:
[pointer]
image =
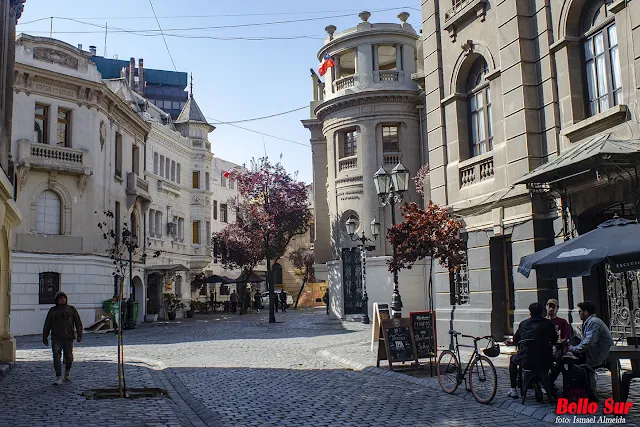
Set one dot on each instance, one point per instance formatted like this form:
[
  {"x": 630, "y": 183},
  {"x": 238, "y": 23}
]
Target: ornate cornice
[
  {"x": 364, "y": 98},
  {"x": 356, "y": 120},
  {"x": 16, "y": 8}
]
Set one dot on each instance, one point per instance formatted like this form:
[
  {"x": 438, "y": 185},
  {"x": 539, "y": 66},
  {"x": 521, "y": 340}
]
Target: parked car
[{"x": 265, "y": 299}]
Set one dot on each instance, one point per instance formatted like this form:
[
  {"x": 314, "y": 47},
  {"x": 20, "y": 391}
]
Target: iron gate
[
  {"x": 352, "y": 280},
  {"x": 618, "y": 286}
]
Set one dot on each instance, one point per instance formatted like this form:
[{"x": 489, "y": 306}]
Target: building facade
[
  {"x": 532, "y": 93},
  {"x": 10, "y": 11},
  {"x": 364, "y": 116},
  {"x": 78, "y": 149}
]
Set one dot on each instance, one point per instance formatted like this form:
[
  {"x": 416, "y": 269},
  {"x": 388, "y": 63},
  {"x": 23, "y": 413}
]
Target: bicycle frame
[{"x": 475, "y": 353}]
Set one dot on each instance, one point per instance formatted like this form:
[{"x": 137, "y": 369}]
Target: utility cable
[
  {"x": 262, "y": 117},
  {"x": 265, "y": 134},
  {"x": 163, "y": 37}
]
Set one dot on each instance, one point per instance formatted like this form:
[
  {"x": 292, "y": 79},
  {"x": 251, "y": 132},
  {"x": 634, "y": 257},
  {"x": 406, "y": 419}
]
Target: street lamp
[
  {"x": 390, "y": 189},
  {"x": 351, "y": 225},
  {"x": 130, "y": 240}
]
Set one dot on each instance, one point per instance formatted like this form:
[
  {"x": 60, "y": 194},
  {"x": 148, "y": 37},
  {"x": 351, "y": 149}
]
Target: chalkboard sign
[
  {"x": 398, "y": 340},
  {"x": 424, "y": 333}
]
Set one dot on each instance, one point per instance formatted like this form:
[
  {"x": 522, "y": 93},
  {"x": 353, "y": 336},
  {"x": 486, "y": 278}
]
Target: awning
[
  {"x": 165, "y": 268},
  {"x": 253, "y": 278},
  {"x": 218, "y": 279},
  {"x": 595, "y": 152}
]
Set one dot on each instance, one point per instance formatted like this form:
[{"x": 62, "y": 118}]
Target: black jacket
[
  {"x": 61, "y": 320},
  {"x": 539, "y": 354}
]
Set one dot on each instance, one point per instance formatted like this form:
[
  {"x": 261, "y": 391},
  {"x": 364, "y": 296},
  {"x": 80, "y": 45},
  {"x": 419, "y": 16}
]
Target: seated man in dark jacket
[{"x": 535, "y": 327}]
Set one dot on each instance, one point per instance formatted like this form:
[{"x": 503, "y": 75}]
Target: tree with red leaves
[
  {"x": 431, "y": 232},
  {"x": 272, "y": 209},
  {"x": 303, "y": 260}
]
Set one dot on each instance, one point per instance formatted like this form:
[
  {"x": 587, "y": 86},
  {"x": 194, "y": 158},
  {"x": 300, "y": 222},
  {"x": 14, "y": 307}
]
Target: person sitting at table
[
  {"x": 595, "y": 344},
  {"x": 563, "y": 329},
  {"x": 536, "y": 327}
]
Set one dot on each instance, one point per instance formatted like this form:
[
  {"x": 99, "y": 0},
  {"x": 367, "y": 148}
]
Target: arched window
[
  {"x": 48, "y": 212},
  {"x": 601, "y": 59},
  {"x": 479, "y": 101}
]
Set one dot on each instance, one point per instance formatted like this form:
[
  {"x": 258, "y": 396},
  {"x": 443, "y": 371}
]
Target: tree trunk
[
  {"x": 272, "y": 295},
  {"x": 430, "y": 287},
  {"x": 304, "y": 282},
  {"x": 241, "y": 293},
  {"x": 119, "y": 336}
]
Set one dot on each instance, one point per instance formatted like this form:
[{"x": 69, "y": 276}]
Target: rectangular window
[
  {"x": 178, "y": 173},
  {"x": 206, "y": 180},
  {"x": 196, "y": 233},
  {"x": 167, "y": 168},
  {"x": 64, "y": 128},
  {"x": 181, "y": 229},
  {"x": 349, "y": 143},
  {"x": 49, "y": 284},
  {"x": 135, "y": 159},
  {"x": 223, "y": 180},
  {"x": 207, "y": 236},
  {"x": 195, "y": 179},
  {"x": 152, "y": 218},
  {"x": 155, "y": 163},
  {"x": 232, "y": 184},
  {"x": 602, "y": 62},
  {"x": 173, "y": 171},
  {"x": 223, "y": 213},
  {"x": 162, "y": 166},
  {"x": 42, "y": 124},
  {"x": 117, "y": 230},
  {"x": 390, "y": 142},
  {"x": 215, "y": 209},
  {"x": 158, "y": 224},
  {"x": 459, "y": 285},
  {"x": 118, "y": 153}
]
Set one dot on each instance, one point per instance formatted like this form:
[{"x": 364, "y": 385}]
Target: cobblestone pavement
[{"x": 239, "y": 371}]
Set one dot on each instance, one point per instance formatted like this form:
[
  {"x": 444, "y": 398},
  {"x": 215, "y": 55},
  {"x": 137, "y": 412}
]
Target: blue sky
[{"x": 233, "y": 79}]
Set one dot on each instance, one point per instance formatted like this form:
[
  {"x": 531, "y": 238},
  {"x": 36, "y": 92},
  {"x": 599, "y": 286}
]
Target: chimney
[
  {"x": 80, "y": 46},
  {"x": 141, "y": 76},
  {"x": 132, "y": 73},
  {"x": 93, "y": 50}
]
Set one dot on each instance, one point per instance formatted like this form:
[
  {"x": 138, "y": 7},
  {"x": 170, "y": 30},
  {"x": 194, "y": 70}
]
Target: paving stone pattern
[{"x": 228, "y": 370}]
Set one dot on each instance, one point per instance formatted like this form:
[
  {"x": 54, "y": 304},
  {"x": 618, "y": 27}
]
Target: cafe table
[{"x": 615, "y": 354}]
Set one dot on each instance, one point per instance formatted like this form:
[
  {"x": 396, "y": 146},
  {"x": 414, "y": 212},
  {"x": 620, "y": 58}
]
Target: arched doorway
[
  {"x": 139, "y": 297},
  {"x": 154, "y": 282}
]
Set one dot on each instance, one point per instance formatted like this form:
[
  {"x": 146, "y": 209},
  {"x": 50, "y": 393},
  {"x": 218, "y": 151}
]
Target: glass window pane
[
  {"x": 488, "y": 91},
  {"x": 616, "y": 76},
  {"x": 613, "y": 36},
  {"x": 591, "y": 80},
  {"x": 480, "y": 127},
  {"x": 598, "y": 41},
  {"x": 588, "y": 49},
  {"x": 489, "y": 122},
  {"x": 474, "y": 128},
  {"x": 602, "y": 76},
  {"x": 479, "y": 100},
  {"x": 472, "y": 103}
]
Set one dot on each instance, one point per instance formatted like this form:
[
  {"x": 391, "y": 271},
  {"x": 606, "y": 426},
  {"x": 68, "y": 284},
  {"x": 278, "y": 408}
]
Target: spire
[
  {"x": 191, "y": 113},
  {"x": 191, "y": 91}
]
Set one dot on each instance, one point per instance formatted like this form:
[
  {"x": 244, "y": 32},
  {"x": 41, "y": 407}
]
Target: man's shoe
[
  {"x": 67, "y": 376},
  {"x": 58, "y": 381},
  {"x": 513, "y": 393}
]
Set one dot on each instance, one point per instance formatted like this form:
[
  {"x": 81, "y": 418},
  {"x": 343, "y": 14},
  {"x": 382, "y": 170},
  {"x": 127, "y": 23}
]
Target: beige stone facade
[{"x": 510, "y": 86}]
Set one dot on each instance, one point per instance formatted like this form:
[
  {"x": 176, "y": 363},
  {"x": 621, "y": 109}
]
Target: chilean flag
[
  {"x": 325, "y": 64},
  {"x": 227, "y": 173}
]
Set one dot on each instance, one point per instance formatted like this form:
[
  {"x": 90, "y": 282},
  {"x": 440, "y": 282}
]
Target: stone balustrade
[
  {"x": 142, "y": 184},
  {"x": 391, "y": 159},
  {"x": 344, "y": 83},
  {"x": 347, "y": 163},
  {"x": 388, "y": 76},
  {"x": 476, "y": 172}
]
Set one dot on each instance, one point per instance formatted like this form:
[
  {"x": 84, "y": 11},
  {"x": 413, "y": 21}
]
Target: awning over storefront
[
  {"x": 585, "y": 157},
  {"x": 166, "y": 268},
  {"x": 218, "y": 279}
]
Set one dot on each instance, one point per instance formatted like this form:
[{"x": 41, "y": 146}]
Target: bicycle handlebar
[{"x": 456, "y": 333}]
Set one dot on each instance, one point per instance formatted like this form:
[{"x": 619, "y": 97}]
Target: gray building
[{"x": 532, "y": 123}]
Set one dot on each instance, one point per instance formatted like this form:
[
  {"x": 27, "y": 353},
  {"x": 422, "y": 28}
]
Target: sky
[{"x": 239, "y": 72}]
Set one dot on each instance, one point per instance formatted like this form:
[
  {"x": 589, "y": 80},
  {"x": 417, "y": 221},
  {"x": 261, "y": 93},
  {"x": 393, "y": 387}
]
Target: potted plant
[{"x": 172, "y": 304}]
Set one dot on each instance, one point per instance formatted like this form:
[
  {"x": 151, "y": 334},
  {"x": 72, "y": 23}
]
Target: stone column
[
  {"x": 398, "y": 57},
  {"x": 365, "y": 65}
]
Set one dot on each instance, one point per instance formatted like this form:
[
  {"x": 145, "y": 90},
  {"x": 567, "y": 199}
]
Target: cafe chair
[{"x": 535, "y": 373}]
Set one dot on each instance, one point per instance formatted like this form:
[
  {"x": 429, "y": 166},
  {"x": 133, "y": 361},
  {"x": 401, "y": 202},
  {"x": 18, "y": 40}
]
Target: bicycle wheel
[
  {"x": 448, "y": 369},
  {"x": 483, "y": 379}
]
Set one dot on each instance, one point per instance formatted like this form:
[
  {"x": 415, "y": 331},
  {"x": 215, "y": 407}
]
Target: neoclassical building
[
  {"x": 532, "y": 123},
  {"x": 365, "y": 115},
  {"x": 10, "y": 11},
  {"x": 78, "y": 148}
]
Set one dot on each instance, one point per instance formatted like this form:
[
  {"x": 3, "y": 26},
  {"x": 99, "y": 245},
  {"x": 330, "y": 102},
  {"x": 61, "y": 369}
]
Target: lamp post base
[
  {"x": 396, "y": 304},
  {"x": 365, "y": 319}
]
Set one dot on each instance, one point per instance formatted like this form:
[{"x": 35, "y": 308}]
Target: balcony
[
  {"x": 344, "y": 83},
  {"x": 460, "y": 12},
  {"x": 480, "y": 170},
  {"x": 169, "y": 187},
  {"x": 200, "y": 256},
  {"x": 391, "y": 159},
  {"x": 137, "y": 189},
  {"x": 348, "y": 163},
  {"x": 51, "y": 158},
  {"x": 389, "y": 76}
]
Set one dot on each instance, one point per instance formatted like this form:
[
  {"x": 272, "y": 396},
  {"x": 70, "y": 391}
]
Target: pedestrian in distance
[
  {"x": 234, "y": 301},
  {"x": 257, "y": 301},
  {"x": 325, "y": 299},
  {"x": 283, "y": 300},
  {"x": 60, "y": 322}
]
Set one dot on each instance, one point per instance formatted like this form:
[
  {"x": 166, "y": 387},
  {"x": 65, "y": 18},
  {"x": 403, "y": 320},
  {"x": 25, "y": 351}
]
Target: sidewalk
[{"x": 359, "y": 356}]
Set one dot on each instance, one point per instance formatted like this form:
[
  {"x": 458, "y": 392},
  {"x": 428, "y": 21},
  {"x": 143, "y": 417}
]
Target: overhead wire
[
  {"x": 262, "y": 117},
  {"x": 263, "y": 133},
  {"x": 163, "y": 37}
]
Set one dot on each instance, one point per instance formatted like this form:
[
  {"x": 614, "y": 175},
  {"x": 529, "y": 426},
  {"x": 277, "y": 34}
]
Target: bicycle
[{"x": 483, "y": 380}]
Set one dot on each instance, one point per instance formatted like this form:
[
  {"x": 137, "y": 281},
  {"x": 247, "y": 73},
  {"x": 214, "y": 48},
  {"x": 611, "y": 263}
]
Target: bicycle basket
[{"x": 493, "y": 349}]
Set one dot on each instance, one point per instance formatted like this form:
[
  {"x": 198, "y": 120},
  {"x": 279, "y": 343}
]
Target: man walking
[
  {"x": 60, "y": 322},
  {"x": 234, "y": 301},
  {"x": 283, "y": 300}
]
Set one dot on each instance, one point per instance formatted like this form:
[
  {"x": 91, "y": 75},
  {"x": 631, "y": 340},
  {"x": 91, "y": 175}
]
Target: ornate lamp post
[
  {"x": 390, "y": 189},
  {"x": 351, "y": 225},
  {"x": 130, "y": 240}
]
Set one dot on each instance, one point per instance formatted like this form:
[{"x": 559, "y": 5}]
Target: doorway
[
  {"x": 154, "y": 281},
  {"x": 139, "y": 297},
  {"x": 502, "y": 287},
  {"x": 352, "y": 280}
]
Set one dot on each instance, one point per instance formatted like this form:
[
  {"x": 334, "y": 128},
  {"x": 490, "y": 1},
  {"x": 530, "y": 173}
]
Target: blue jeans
[{"x": 65, "y": 349}]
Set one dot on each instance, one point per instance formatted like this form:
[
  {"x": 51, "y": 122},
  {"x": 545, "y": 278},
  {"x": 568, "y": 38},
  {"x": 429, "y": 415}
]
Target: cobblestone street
[{"x": 219, "y": 370}]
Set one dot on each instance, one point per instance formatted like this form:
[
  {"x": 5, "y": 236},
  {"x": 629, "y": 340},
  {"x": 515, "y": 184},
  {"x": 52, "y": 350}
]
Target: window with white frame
[
  {"x": 601, "y": 58},
  {"x": 223, "y": 213},
  {"x": 348, "y": 142},
  {"x": 390, "y": 139},
  {"x": 223, "y": 179},
  {"x": 479, "y": 102},
  {"x": 178, "y": 173},
  {"x": 158, "y": 224},
  {"x": 181, "y": 229},
  {"x": 215, "y": 209},
  {"x": 152, "y": 220},
  {"x": 48, "y": 213},
  {"x": 162, "y": 166},
  {"x": 173, "y": 170},
  {"x": 156, "y": 160}
]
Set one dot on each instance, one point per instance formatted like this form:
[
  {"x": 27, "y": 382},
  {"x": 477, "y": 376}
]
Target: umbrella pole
[{"x": 631, "y": 309}]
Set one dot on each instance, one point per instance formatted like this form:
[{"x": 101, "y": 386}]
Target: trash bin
[{"x": 110, "y": 306}]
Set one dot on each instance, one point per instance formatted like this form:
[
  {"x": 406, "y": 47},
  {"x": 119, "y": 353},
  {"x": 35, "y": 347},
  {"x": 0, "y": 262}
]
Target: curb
[{"x": 510, "y": 405}]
